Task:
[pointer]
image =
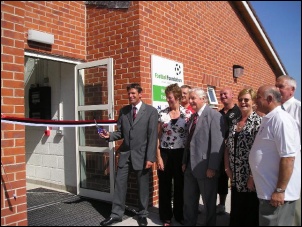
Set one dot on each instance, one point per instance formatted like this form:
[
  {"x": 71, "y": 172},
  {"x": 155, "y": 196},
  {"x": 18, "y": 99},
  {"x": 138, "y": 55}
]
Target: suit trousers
[
  {"x": 297, "y": 220},
  {"x": 276, "y": 216},
  {"x": 193, "y": 188},
  {"x": 223, "y": 180},
  {"x": 172, "y": 159},
  {"x": 120, "y": 191}
]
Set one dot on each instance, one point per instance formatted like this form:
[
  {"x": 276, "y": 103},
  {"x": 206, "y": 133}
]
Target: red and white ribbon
[{"x": 54, "y": 123}]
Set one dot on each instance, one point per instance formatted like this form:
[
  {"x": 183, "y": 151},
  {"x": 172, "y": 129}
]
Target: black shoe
[
  {"x": 180, "y": 221},
  {"x": 142, "y": 221},
  {"x": 110, "y": 221}
]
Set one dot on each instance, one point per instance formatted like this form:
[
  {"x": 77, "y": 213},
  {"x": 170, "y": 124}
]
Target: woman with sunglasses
[{"x": 244, "y": 201}]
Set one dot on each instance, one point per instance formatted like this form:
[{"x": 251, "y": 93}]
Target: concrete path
[{"x": 153, "y": 219}]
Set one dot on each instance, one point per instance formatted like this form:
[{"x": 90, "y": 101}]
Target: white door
[{"x": 94, "y": 99}]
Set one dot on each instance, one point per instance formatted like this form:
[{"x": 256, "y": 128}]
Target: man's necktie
[
  {"x": 134, "y": 113},
  {"x": 192, "y": 129}
]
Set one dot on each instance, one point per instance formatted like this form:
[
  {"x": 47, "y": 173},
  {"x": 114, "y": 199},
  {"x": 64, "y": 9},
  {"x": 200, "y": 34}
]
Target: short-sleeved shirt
[
  {"x": 174, "y": 131},
  {"x": 278, "y": 137},
  {"x": 293, "y": 107},
  {"x": 230, "y": 118}
]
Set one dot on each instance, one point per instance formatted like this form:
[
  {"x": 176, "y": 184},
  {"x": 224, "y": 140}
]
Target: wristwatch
[{"x": 279, "y": 190}]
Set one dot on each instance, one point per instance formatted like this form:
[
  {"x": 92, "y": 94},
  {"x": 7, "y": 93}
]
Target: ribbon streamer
[{"x": 53, "y": 123}]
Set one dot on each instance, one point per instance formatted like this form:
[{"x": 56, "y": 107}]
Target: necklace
[
  {"x": 239, "y": 127},
  {"x": 241, "y": 124}
]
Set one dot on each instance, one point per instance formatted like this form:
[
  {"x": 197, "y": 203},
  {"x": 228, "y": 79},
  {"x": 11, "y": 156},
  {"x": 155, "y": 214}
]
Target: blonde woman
[{"x": 244, "y": 201}]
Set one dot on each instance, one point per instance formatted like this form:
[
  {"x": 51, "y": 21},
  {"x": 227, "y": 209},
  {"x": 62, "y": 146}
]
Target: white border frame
[{"x": 211, "y": 90}]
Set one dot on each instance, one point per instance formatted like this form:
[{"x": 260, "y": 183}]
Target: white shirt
[
  {"x": 138, "y": 106},
  {"x": 199, "y": 114},
  {"x": 201, "y": 110},
  {"x": 275, "y": 139},
  {"x": 293, "y": 107}
]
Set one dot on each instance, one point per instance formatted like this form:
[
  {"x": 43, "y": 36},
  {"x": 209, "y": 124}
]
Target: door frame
[{"x": 108, "y": 63}]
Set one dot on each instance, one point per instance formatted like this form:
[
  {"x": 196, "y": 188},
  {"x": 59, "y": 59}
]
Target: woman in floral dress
[{"x": 172, "y": 134}]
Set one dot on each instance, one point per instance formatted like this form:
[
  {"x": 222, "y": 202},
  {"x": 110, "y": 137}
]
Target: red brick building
[{"x": 209, "y": 38}]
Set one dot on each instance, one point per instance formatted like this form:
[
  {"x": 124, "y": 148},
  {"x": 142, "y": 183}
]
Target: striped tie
[
  {"x": 134, "y": 113},
  {"x": 192, "y": 129}
]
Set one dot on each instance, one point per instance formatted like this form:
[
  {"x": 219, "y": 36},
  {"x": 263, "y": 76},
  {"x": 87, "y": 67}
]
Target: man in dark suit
[
  {"x": 202, "y": 158},
  {"x": 138, "y": 129}
]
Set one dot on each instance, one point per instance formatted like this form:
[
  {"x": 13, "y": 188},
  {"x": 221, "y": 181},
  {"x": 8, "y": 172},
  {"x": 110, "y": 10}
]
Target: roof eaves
[{"x": 249, "y": 15}]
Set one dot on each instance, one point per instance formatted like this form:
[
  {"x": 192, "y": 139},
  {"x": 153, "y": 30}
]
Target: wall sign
[{"x": 164, "y": 72}]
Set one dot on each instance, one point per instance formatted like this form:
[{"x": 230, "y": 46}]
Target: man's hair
[
  {"x": 185, "y": 86},
  {"x": 135, "y": 86},
  {"x": 274, "y": 92},
  {"x": 200, "y": 93},
  {"x": 291, "y": 81}
]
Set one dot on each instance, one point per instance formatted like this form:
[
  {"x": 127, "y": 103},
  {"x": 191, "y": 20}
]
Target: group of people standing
[
  {"x": 190, "y": 160},
  {"x": 198, "y": 149}
]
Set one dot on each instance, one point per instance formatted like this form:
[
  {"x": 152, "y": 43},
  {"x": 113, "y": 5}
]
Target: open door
[{"x": 95, "y": 157}]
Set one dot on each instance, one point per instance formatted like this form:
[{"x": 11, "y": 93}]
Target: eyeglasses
[{"x": 243, "y": 99}]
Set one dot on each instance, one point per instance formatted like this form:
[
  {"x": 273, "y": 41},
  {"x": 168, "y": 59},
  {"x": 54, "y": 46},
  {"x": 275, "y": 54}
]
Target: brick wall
[
  {"x": 66, "y": 20},
  {"x": 207, "y": 37},
  {"x": 13, "y": 211}
]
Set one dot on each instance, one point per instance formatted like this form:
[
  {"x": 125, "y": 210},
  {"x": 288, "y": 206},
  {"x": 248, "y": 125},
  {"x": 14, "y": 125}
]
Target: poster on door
[{"x": 164, "y": 72}]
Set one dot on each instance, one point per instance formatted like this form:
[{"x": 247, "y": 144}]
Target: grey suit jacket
[
  {"x": 140, "y": 136},
  {"x": 207, "y": 144}
]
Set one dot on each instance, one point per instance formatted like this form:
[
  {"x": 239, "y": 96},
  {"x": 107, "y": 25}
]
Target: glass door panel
[
  {"x": 95, "y": 171},
  {"x": 94, "y": 101}
]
